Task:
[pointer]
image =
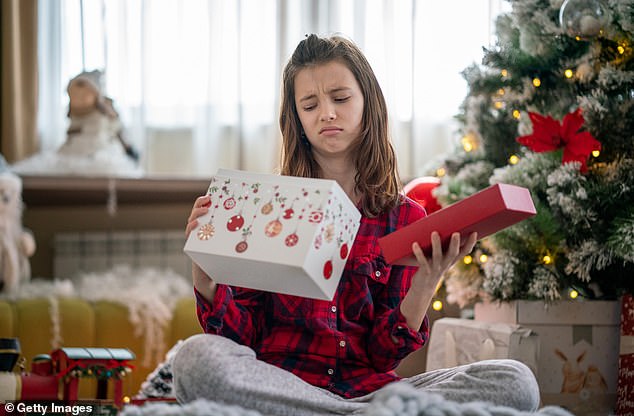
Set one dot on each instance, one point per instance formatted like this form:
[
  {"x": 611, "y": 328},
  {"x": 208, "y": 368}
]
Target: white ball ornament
[{"x": 583, "y": 19}]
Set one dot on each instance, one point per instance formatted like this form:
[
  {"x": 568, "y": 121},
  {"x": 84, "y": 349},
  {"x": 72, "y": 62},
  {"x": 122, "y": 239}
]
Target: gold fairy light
[
  {"x": 547, "y": 259},
  {"x": 573, "y": 294},
  {"x": 504, "y": 73},
  {"x": 468, "y": 142},
  {"x": 437, "y": 305},
  {"x": 621, "y": 49},
  {"x": 537, "y": 82},
  {"x": 440, "y": 172},
  {"x": 483, "y": 258},
  {"x": 501, "y": 91},
  {"x": 596, "y": 153},
  {"x": 568, "y": 73},
  {"x": 516, "y": 114},
  {"x": 467, "y": 259},
  {"x": 513, "y": 159}
]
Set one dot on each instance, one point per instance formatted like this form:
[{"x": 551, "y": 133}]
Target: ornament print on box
[
  {"x": 237, "y": 199},
  {"x": 288, "y": 229}
]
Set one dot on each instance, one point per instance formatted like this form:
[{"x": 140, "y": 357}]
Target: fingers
[
  {"x": 420, "y": 258},
  {"x": 441, "y": 260},
  {"x": 201, "y": 207},
  {"x": 468, "y": 245}
]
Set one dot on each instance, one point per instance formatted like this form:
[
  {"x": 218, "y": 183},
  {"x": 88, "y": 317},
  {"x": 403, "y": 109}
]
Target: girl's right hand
[{"x": 203, "y": 283}]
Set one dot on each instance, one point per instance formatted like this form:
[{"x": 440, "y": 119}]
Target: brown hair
[{"x": 377, "y": 177}]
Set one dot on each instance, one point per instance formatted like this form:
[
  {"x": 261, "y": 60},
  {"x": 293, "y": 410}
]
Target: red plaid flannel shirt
[{"x": 350, "y": 345}]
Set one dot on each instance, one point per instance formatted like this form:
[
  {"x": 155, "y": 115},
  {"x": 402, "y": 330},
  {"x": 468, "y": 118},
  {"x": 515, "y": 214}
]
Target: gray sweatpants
[{"x": 218, "y": 369}]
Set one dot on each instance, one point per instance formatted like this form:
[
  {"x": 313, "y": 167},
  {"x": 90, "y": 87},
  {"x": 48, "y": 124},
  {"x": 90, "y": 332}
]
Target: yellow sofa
[{"x": 90, "y": 324}]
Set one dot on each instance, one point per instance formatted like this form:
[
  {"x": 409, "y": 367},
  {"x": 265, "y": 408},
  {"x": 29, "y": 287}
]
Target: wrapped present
[
  {"x": 455, "y": 341},
  {"x": 484, "y": 212},
  {"x": 625, "y": 389},
  {"x": 275, "y": 233},
  {"x": 578, "y": 352}
]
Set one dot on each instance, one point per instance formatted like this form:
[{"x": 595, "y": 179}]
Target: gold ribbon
[{"x": 627, "y": 345}]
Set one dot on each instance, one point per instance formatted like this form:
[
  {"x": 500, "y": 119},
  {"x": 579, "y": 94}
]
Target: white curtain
[{"x": 197, "y": 82}]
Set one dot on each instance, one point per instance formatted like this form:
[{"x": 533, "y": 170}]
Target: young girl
[{"x": 287, "y": 355}]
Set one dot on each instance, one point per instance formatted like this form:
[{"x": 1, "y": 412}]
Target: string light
[
  {"x": 573, "y": 294},
  {"x": 501, "y": 91},
  {"x": 568, "y": 73},
  {"x": 483, "y": 258},
  {"x": 467, "y": 259},
  {"x": 537, "y": 82},
  {"x": 126, "y": 399},
  {"x": 547, "y": 259},
  {"x": 440, "y": 172},
  {"x": 504, "y": 72},
  {"x": 468, "y": 142},
  {"x": 437, "y": 305},
  {"x": 596, "y": 153},
  {"x": 513, "y": 159},
  {"x": 621, "y": 49},
  {"x": 498, "y": 104},
  {"x": 516, "y": 114}
]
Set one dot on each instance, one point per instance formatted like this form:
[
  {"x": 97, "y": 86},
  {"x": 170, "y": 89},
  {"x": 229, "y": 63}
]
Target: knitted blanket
[{"x": 396, "y": 399}]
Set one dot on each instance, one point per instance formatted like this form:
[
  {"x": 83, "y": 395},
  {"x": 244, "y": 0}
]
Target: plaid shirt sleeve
[{"x": 235, "y": 313}]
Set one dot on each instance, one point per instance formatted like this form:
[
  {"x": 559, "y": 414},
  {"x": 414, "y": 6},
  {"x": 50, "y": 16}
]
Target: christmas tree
[{"x": 551, "y": 108}]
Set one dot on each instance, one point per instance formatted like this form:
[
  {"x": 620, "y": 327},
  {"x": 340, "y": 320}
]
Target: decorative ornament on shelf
[
  {"x": 549, "y": 135},
  {"x": 583, "y": 19}
]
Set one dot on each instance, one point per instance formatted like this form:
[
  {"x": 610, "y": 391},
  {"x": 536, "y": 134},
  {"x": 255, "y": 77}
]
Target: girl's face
[{"x": 329, "y": 103}]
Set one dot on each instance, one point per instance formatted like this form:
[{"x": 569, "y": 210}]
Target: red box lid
[{"x": 484, "y": 212}]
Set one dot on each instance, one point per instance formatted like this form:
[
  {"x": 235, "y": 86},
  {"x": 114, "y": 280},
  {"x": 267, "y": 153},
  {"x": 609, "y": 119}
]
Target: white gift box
[
  {"x": 456, "y": 341},
  {"x": 275, "y": 233}
]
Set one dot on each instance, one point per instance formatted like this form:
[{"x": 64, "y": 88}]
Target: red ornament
[
  {"x": 242, "y": 246},
  {"x": 549, "y": 134},
  {"x": 291, "y": 240},
  {"x": 229, "y": 203},
  {"x": 421, "y": 191},
  {"x": 328, "y": 270},
  {"x": 235, "y": 223},
  {"x": 288, "y": 214},
  {"x": 315, "y": 217},
  {"x": 343, "y": 251}
]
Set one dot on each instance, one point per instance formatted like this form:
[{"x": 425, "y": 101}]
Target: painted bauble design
[
  {"x": 317, "y": 242},
  {"x": 229, "y": 203},
  {"x": 343, "y": 251},
  {"x": 273, "y": 228},
  {"x": 329, "y": 233},
  {"x": 288, "y": 213},
  {"x": 235, "y": 223},
  {"x": 242, "y": 246},
  {"x": 328, "y": 270},
  {"x": 315, "y": 217},
  {"x": 267, "y": 208},
  {"x": 291, "y": 240},
  {"x": 206, "y": 232}
]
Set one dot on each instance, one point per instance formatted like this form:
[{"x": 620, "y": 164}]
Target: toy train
[{"x": 55, "y": 377}]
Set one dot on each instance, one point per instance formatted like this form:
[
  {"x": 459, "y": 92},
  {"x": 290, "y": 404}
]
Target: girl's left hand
[{"x": 432, "y": 269}]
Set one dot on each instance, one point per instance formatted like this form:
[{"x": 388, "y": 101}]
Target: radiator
[{"x": 98, "y": 251}]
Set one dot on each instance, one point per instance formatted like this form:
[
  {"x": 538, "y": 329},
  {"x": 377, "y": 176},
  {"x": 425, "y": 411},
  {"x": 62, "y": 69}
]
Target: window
[{"x": 196, "y": 82}]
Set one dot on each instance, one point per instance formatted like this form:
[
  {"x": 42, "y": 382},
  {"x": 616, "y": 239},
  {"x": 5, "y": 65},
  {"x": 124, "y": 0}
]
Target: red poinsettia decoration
[{"x": 549, "y": 134}]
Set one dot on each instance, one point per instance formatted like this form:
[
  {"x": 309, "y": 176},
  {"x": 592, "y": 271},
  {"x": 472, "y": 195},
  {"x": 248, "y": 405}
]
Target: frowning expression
[{"x": 329, "y": 103}]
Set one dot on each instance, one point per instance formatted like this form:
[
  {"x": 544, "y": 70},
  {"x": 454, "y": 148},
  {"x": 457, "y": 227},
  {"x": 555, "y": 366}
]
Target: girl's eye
[
  {"x": 341, "y": 99},
  {"x": 309, "y": 107}
]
